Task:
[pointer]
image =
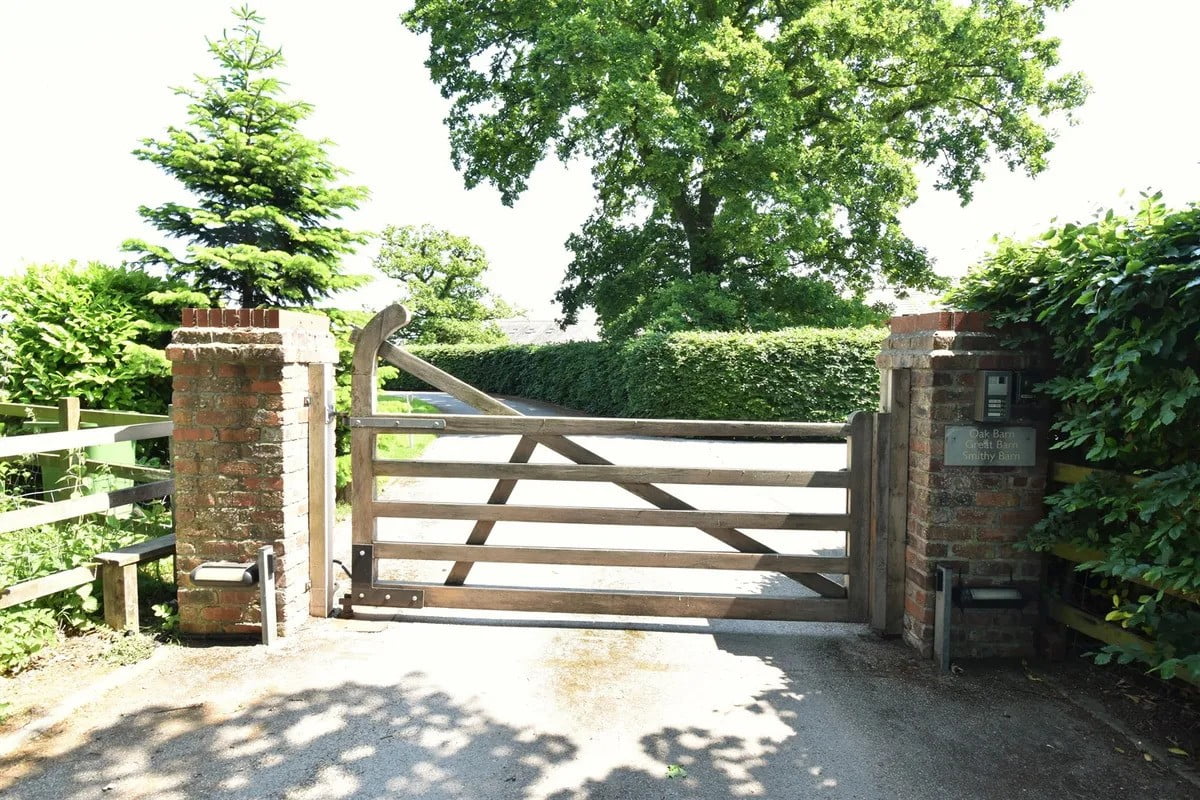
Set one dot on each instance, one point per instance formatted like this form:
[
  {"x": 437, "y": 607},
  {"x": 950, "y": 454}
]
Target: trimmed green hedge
[{"x": 806, "y": 374}]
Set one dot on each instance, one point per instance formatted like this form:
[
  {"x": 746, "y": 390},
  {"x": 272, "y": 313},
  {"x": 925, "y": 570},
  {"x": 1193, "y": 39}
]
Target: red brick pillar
[
  {"x": 240, "y": 456},
  {"x": 970, "y": 517}
]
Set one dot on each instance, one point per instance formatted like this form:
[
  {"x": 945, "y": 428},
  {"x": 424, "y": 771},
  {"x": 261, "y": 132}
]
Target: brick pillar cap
[
  {"x": 252, "y": 318},
  {"x": 959, "y": 321}
]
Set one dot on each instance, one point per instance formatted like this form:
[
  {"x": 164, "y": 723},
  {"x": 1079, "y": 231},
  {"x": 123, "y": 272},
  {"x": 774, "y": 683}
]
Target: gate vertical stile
[
  {"x": 363, "y": 403},
  {"x": 880, "y": 517},
  {"x": 858, "y": 507}
]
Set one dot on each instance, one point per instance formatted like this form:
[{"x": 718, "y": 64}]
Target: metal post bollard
[
  {"x": 941, "y": 617},
  {"x": 230, "y": 575},
  {"x": 948, "y": 595}
]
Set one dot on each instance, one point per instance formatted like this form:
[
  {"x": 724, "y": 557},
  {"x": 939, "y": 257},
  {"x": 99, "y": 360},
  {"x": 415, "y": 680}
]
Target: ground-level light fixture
[{"x": 231, "y": 575}]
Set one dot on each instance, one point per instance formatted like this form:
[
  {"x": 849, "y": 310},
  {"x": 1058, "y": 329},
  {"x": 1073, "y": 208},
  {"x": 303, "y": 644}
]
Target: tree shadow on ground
[
  {"x": 794, "y": 731},
  {"x": 902, "y": 732},
  {"x": 351, "y": 741}
]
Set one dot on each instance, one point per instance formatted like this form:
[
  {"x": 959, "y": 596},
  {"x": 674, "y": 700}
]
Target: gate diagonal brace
[
  {"x": 500, "y": 494},
  {"x": 483, "y": 402}
]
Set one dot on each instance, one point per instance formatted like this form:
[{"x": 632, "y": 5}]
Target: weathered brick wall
[
  {"x": 968, "y": 517},
  {"x": 241, "y": 457}
]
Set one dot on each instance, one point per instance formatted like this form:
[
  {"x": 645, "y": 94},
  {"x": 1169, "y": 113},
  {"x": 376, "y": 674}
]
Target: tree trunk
[{"x": 697, "y": 222}]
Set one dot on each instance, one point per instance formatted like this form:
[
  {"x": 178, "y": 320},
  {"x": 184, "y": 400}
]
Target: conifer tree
[{"x": 260, "y": 232}]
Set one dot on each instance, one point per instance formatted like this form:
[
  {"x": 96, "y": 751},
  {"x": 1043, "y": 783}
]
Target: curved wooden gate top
[{"x": 843, "y": 600}]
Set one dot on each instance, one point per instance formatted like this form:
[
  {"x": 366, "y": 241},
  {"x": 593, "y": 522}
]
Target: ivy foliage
[
  {"x": 90, "y": 332},
  {"x": 743, "y": 150},
  {"x": 1117, "y": 302},
  {"x": 260, "y": 232},
  {"x": 806, "y": 374}
]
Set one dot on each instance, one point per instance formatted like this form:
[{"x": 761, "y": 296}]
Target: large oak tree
[{"x": 741, "y": 149}]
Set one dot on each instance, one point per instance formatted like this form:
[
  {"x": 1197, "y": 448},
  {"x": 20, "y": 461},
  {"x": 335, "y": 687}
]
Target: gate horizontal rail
[
  {"x": 611, "y": 473},
  {"x": 684, "y": 559},
  {"x": 597, "y": 426},
  {"x": 585, "y": 601},
  {"x": 583, "y": 515}
]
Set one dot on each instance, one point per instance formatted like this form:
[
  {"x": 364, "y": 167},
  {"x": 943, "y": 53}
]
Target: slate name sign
[{"x": 990, "y": 446}]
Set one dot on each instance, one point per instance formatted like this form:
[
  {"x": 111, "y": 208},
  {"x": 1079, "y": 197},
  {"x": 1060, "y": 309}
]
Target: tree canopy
[
  {"x": 442, "y": 274},
  {"x": 742, "y": 148},
  {"x": 260, "y": 231}
]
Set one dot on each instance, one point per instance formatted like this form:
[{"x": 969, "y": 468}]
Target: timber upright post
[
  {"x": 363, "y": 403},
  {"x": 242, "y": 411},
  {"x": 965, "y": 481}
]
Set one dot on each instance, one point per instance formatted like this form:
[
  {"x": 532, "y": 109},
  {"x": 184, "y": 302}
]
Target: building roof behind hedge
[{"x": 546, "y": 331}]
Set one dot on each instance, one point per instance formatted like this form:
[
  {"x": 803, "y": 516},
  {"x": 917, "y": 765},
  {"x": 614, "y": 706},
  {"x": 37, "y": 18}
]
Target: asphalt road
[{"x": 381, "y": 709}]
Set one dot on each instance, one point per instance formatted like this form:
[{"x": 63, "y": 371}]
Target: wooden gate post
[
  {"x": 889, "y": 510},
  {"x": 321, "y": 481},
  {"x": 858, "y": 507}
]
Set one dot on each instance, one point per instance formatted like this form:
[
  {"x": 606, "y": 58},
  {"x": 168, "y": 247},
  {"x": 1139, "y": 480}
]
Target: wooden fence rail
[
  {"x": 1061, "y": 611},
  {"x": 70, "y": 440},
  {"x": 82, "y": 506},
  {"x": 117, "y": 569},
  {"x": 98, "y": 417}
]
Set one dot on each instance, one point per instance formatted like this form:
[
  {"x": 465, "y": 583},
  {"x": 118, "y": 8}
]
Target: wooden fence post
[
  {"x": 68, "y": 420},
  {"x": 320, "y": 489},
  {"x": 68, "y": 414},
  {"x": 120, "y": 595},
  {"x": 897, "y": 527}
]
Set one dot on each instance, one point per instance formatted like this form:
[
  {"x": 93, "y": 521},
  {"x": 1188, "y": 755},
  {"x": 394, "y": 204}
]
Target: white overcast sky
[{"x": 82, "y": 82}]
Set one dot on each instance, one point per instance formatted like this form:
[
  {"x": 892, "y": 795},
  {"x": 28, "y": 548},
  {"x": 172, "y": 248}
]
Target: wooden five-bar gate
[{"x": 846, "y": 599}]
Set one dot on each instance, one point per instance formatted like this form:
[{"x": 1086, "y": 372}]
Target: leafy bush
[
  {"x": 798, "y": 374},
  {"x": 1117, "y": 301},
  {"x": 795, "y": 374},
  {"x": 23, "y": 632},
  {"x": 90, "y": 332},
  {"x": 43, "y": 550}
]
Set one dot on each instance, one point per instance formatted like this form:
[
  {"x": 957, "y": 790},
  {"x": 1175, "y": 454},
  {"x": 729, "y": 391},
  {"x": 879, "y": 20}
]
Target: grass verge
[{"x": 404, "y": 446}]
